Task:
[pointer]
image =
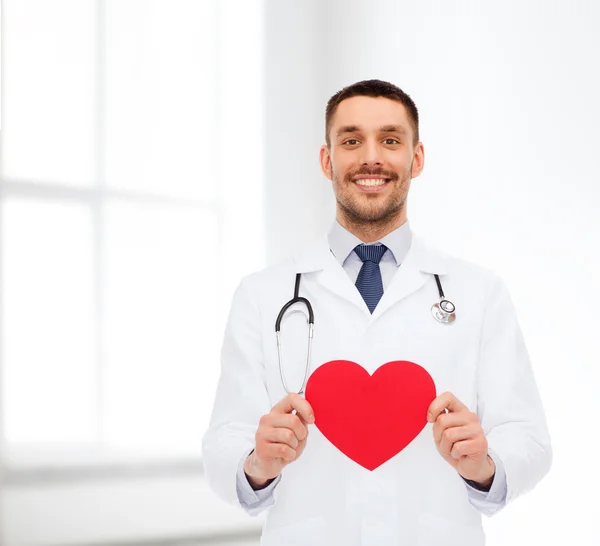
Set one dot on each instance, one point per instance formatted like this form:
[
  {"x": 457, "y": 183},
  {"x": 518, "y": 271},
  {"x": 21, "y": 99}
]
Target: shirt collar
[{"x": 342, "y": 242}]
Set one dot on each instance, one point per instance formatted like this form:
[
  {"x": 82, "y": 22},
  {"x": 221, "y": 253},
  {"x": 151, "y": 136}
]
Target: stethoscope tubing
[{"x": 311, "y": 325}]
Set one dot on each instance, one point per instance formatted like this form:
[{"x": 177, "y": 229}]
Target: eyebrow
[
  {"x": 385, "y": 129},
  {"x": 347, "y": 129},
  {"x": 393, "y": 129}
]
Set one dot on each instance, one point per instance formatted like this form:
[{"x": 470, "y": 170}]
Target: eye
[
  {"x": 391, "y": 141},
  {"x": 351, "y": 142}
]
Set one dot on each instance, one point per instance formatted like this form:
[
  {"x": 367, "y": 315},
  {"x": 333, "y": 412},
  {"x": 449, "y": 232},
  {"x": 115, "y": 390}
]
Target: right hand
[{"x": 280, "y": 439}]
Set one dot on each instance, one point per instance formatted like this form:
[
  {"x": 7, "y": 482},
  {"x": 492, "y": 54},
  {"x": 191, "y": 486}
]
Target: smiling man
[
  {"x": 474, "y": 445},
  {"x": 371, "y": 163}
]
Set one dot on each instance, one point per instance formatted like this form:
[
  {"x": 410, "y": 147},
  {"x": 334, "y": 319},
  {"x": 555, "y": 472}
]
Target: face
[{"x": 371, "y": 160}]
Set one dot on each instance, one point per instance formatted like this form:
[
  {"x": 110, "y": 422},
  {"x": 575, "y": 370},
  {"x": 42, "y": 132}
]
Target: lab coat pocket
[
  {"x": 301, "y": 533},
  {"x": 434, "y": 530}
]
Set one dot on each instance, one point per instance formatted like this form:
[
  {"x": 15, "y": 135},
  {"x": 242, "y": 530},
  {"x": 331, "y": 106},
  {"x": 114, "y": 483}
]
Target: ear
[
  {"x": 418, "y": 160},
  {"x": 325, "y": 160}
]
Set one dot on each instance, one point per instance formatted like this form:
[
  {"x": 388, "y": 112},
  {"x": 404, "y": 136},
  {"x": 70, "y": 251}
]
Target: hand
[
  {"x": 460, "y": 440},
  {"x": 280, "y": 439}
]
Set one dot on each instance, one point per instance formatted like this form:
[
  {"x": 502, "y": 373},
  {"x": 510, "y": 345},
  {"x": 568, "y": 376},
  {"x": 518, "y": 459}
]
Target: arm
[
  {"x": 509, "y": 406},
  {"x": 240, "y": 401}
]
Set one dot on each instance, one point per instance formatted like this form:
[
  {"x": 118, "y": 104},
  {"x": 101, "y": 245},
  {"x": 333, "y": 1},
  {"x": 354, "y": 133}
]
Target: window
[{"x": 118, "y": 204}]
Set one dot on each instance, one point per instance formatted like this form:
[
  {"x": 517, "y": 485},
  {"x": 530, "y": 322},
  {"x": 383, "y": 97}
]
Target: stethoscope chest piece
[{"x": 444, "y": 311}]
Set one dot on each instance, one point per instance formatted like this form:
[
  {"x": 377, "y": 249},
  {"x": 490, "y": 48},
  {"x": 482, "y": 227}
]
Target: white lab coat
[{"x": 415, "y": 498}]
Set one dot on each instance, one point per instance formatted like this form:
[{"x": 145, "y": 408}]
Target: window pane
[
  {"x": 161, "y": 97},
  {"x": 48, "y": 102},
  {"x": 162, "y": 340},
  {"x": 48, "y": 328}
]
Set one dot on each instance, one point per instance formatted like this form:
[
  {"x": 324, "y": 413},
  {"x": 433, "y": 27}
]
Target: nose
[{"x": 371, "y": 154}]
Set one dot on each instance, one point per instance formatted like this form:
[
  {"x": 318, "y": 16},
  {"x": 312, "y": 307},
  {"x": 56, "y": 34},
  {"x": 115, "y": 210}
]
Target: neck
[{"x": 370, "y": 231}]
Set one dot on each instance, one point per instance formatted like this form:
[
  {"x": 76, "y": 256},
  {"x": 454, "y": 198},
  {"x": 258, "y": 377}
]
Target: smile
[{"x": 369, "y": 182}]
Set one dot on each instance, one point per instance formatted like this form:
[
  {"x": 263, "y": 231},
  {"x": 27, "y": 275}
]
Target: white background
[{"x": 507, "y": 94}]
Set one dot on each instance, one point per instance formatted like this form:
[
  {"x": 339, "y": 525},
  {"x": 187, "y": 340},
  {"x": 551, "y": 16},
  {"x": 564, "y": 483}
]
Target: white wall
[
  {"x": 298, "y": 200},
  {"x": 507, "y": 93}
]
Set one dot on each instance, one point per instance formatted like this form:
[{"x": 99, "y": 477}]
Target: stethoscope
[{"x": 443, "y": 311}]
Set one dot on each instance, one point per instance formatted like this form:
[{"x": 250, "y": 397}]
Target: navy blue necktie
[{"x": 369, "y": 281}]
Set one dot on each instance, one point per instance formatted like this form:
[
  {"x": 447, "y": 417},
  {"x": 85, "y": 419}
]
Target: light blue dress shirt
[{"x": 342, "y": 244}]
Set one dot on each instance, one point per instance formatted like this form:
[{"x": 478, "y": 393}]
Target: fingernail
[{"x": 311, "y": 416}]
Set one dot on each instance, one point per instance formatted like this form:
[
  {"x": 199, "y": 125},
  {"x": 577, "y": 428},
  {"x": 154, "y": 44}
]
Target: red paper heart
[{"x": 370, "y": 418}]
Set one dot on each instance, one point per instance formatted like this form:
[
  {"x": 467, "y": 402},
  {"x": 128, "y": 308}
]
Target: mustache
[{"x": 374, "y": 172}]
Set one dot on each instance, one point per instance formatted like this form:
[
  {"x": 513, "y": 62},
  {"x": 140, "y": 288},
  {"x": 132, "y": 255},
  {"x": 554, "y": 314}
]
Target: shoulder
[
  {"x": 460, "y": 271},
  {"x": 281, "y": 274}
]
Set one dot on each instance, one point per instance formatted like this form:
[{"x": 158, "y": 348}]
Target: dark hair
[{"x": 372, "y": 88}]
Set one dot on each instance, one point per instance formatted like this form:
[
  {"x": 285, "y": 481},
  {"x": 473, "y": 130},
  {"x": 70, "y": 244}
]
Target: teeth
[{"x": 370, "y": 182}]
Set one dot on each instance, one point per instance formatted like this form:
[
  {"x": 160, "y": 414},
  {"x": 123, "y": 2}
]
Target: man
[{"x": 483, "y": 441}]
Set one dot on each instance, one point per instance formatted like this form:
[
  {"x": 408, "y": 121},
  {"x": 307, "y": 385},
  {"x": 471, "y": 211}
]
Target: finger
[
  {"x": 289, "y": 421},
  {"x": 295, "y": 402},
  {"x": 465, "y": 448},
  {"x": 444, "y": 401},
  {"x": 455, "y": 431},
  {"x": 280, "y": 451},
  {"x": 282, "y": 436},
  {"x": 462, "y": 418},
  {"x": 448, "y": 437}
]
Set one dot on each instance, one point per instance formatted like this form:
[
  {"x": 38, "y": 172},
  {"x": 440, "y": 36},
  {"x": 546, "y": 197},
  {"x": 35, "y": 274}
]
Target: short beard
[{"x": 372, "y": 219}]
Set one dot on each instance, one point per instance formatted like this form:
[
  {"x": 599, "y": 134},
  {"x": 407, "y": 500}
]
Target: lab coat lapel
[
  {"x": 329, "y": 273},
  {"x": 420, "y": 264}
]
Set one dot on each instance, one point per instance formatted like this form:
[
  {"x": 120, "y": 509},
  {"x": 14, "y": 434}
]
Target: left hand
[{"x": 460, "y": 440}]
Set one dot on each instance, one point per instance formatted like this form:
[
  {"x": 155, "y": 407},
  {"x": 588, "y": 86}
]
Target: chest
[{"x": 344, "y": 331}]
